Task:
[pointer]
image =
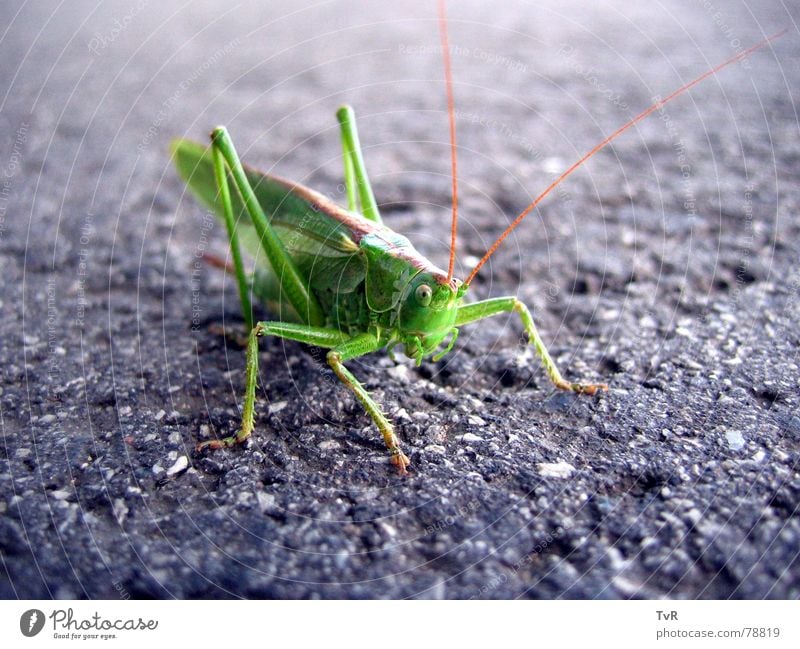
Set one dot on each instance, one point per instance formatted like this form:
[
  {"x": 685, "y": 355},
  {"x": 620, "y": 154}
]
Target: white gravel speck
[
  {"x": 556, "y": 469},
  {"x": 160, "y": 415},
  {"x": 435, "y": 448},
  {"x": 120, "y": 510},
  {"x": 266, "y": 501},
  {"x": 399, "y": 372},
  {"x": 390, "y": 530},
  {"x": 181, "y": 464},
  {"x": 735, "y": 440},
  {"x": 277, "y": 406},
  {"x": 469, "y": 438}
]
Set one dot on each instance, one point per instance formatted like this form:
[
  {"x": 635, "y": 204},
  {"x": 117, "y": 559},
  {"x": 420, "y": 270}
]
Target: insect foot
[
  {"x": 583, "y": 388},
  {"x": 239, "y": 438},
  {"x": 400, "y": 460}
]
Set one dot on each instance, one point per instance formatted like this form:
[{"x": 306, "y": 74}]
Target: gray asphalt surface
[{"x": 667, "y": 267}]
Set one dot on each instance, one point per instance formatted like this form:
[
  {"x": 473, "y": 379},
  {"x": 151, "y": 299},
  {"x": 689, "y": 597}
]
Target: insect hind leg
[
  {"x": 359, "y": 191},
  {"x": 293, "y": 282}
]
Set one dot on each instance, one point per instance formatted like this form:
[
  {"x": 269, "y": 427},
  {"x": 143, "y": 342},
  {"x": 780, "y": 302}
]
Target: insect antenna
[
  {"x": 738, "y": 57},
  {"x": 451, "y": 113}
]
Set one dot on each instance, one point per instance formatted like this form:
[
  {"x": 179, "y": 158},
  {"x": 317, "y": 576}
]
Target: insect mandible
[{"x": 341, "y": 279}]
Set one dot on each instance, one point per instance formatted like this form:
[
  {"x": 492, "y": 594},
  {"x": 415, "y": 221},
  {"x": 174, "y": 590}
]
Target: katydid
[{"x": 349, "y": 283}]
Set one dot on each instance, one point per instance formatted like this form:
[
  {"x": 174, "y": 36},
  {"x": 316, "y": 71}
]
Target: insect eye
[{"x": 424, "y": 294}]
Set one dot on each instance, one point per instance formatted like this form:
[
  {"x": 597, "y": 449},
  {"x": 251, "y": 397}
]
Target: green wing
[{"x": 316, "y": 233}]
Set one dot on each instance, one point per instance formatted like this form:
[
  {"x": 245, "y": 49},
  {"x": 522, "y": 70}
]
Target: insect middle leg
[
  {"x": 343, "y": 348},
  {"x": 494, "y": 306},
  {"x": 317, "y": 336}
]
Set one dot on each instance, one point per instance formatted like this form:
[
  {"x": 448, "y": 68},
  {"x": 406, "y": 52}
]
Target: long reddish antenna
[
  {"x": 738, "y": 57},
  {"x": 451, "y": 113}
]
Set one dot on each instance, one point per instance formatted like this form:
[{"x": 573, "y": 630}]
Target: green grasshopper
[{"x": 340, "y": 278}]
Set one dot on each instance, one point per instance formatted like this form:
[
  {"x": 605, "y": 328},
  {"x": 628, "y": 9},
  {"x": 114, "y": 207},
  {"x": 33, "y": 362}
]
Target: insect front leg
[
  {"x": 358, "y": 346},
  {"x": 487, "y": 308},
  {"x": 318, "y": 336}
]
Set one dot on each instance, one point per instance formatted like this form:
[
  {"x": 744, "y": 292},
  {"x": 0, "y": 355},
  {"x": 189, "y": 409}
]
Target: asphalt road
[{"x": 666, "y": 267}]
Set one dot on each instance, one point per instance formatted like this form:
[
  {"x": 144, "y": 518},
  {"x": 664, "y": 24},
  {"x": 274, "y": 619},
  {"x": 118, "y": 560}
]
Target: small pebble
[
  {"x": 469, "y": 438},
  {"x": 120, "y": 510},
  {"x": 181, "y": 464},
  {"x": 556, "y": 469},
  {"x": 399, "y": 372},
  {"x": 277, "y": 406},
  {"x": 735, "y": 440},
  {"x": 435, "y": 448}
]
